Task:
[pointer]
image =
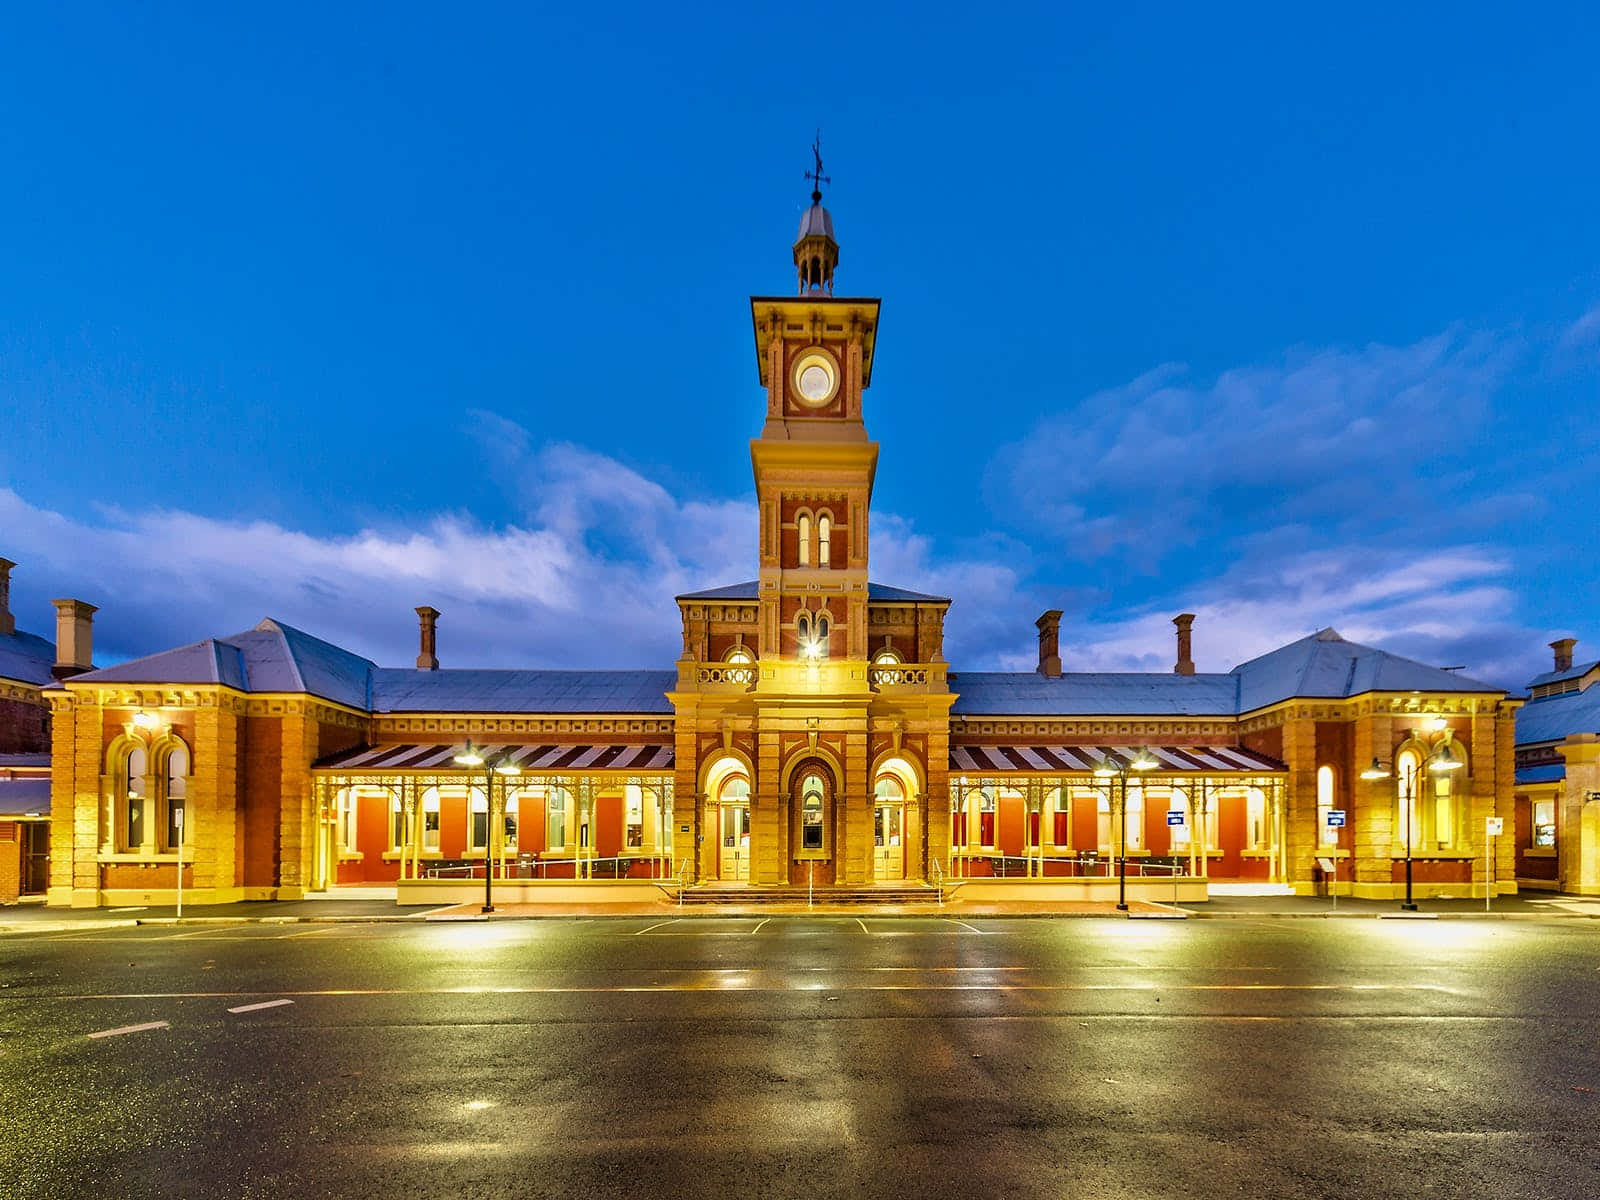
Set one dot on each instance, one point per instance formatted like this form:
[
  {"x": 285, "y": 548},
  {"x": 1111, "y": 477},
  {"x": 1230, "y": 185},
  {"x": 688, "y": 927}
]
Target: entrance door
[
  {"x": 735, "y": 862},
  {"x": 888, "y": 841},
  {"x": 35, "y": 857}
]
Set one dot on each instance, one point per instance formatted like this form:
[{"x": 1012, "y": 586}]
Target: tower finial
[{"x": 815, "y": 174}]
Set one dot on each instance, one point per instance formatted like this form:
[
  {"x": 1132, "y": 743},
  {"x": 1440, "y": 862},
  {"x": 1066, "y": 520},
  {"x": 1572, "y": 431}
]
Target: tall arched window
[
  {"x": 136, "y": 796},
  {"x": 1326, "y": 836},
  {"x": 176, "y": 786},
  {"x": 804, "y": 531},
  {"x": 820, "y": 640},
  {"x": 1408, "y": 782},
  {"x": 802, "y": 626},
  {"x": 478, "y": 822},
  {"x": 1256, "y": 831},
  {"x": 824, "y": 539},
  {"x": 430, "y": 819}
]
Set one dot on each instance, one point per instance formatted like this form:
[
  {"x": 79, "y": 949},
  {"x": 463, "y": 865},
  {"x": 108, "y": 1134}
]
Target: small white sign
[
  {"x": 1494, "y": 825},
  {"x": 1336, "y": 818}
]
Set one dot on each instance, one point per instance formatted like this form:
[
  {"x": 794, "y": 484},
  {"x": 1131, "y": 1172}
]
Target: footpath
[{"x": 1527, "y": 906}]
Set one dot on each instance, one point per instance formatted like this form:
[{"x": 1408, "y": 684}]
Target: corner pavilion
[{"x": 810, "y": 733}]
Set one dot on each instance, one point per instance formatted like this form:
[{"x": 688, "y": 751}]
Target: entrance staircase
[{"x": 791, "y": 895}]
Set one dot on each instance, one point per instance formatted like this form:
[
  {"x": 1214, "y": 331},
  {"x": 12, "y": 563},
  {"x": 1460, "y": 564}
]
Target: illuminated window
[
  {"x": 430, "y": 819},
  {"x": 556, "y": 804},
  {"x": 136, "y": 788},
  {"x": 1544, "y": 822},
  {"x": 1406, "y": 769},
  {"x": 1133, "y": 805},
  {"x": 508, "y": 820},
  {"x": 1255, "y": 819},
  {"x": 812, "y": 797},
  {"x": 397, "y": 824},
  {"x": 346, "y": 821},
  {"x": 478, "y": 825},
  {"x": 176, "y": 787},
  {"x": 1058, "y": 818},
  {"x": 739, "y": 656},
  {"x": 824, "y": 540},
  {"x": 886, "y": 658},
  {"x": 633, "y": 817},
  {"x": 1326, "y": 836},
  {"x": 805, "y": 539},
  {"x": 1442, "y": 834},
  {"x": 1103, "y": 822},
  {"x": 821, "y": 638}
]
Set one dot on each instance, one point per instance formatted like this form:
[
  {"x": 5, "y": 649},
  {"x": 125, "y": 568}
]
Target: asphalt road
[{"x": 800, "y": 1056}]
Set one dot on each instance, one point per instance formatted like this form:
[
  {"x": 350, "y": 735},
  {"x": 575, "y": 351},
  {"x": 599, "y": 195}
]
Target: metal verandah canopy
[
  {"x": 1084, "y": 759},
  {"x": 438, "y": 756}
]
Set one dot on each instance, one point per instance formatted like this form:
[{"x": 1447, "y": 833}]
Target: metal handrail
[
  {"x": 468, "y": 870},
  {"x": 936, "y": 871},
  {"x": 682, "y": 874}
]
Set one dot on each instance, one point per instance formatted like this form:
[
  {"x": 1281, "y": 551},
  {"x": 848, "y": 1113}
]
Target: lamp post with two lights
[
  {"x": 497, "y": 764},
  {"x": 1141, "y": 762}
]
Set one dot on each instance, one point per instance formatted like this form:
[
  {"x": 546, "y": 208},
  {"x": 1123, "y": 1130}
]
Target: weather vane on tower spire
[{"x": 815, "y": 174}]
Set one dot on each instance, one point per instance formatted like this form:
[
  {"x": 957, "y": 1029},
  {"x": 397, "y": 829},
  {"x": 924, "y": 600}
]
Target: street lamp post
[
  {"x": 473, "y": 756},
  {"x": 1140, "y": 762},
  {"x": 1437, "y": 762}
]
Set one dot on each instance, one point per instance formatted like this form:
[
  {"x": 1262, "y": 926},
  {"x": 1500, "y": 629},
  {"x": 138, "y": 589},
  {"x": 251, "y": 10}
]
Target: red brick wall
[
  {"x": 24, "y": 728},
  {"x": 262, "y": 781}
]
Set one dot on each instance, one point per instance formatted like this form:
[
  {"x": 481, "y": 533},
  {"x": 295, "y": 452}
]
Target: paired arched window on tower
[
  {"x": 813, "y": 630},
  {"x": 814, "y": 532},
  {"x": 152, "y": 794}
]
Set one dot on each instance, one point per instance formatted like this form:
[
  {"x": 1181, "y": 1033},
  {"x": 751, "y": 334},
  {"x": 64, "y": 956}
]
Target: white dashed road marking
[
  {"x": 244, "y": 1008},
  {"x": 130, "y": 1029}
]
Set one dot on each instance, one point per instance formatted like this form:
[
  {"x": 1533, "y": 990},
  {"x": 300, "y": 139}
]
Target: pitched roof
[
  {"x": 1112, "y": 694},
  {"x": 1543, "y": 773},
  {"x": 1551, "y": 718},
  {"x": 1324, "y": 665},
  {"x": 272, "y": 657},
  {"x": 409, "y": 690},
  {"x": 749, "y": 590},
  {"x": 26, "y": 657},
  {"x": 1577, "y": 672}
]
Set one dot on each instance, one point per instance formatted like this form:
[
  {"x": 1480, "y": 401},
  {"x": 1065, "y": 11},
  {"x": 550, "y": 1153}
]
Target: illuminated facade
[{"x": 811, "y": 732}]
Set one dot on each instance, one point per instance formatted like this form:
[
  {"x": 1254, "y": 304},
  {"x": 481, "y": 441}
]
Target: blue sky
[{"x": 1286, "y": 321}]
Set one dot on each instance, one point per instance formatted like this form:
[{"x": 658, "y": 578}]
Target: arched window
[
  {"x": 813, "y": 795},
  {"x": 802, "y": 625},
  {"x": 886, "y": 658},
  {"x": 981, "y": 818},
  {"x": 824, "y": 539},
  {"x": 176, "y": 786},
  {"x": 889, "y": 789},
  {"x": 739, "y": 656},
  {"x": 804, "y": 531},
  {"x": 136, "y": 796},
  {"x": 1326, "y": 836},
  {"x": 734, "y": 789},
  {"x": 1407, "y": 772},
  {"x": 820, "y": 640}
]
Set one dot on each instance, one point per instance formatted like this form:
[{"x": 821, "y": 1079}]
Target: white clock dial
[{"x": 815, "y": 378}]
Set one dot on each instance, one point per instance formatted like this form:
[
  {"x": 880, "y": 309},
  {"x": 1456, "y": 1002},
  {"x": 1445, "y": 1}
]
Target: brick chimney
[
  {"x": 74, "y": 638},
  {"x": 1563, "y": 648},
  {"x": 8, "y": 623},
  {"x": 427, "y": 660},
  {"x": 1050, "y": 644},
  {"x": 1185, "y": 665}
]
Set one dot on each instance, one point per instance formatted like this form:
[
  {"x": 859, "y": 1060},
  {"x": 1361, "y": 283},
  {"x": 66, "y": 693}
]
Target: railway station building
[{"x": 810, "y": 733}]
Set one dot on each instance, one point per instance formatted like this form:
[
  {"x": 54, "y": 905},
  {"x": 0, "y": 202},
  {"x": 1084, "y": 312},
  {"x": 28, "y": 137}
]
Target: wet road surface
[{"x": 804, "y": 1056}]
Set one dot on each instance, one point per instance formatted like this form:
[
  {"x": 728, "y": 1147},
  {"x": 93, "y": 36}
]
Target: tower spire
[{"x": 816, "y": 254}]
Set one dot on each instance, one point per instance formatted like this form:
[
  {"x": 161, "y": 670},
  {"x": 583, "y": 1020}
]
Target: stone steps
[{"x": 713, "y": 895}]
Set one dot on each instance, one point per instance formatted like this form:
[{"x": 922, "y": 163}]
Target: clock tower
[{"x": 813, "y": 462}]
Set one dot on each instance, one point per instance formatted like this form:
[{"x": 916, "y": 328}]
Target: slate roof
[
  {"x": 1577, "y": 672},
  {"x": 27, "y": 658},
  {"x": 272, "y": 657},
  {"x": 407, "y": 690},
  {"x": 1543, "y": 773},
  {"x": 1554, "y": 717},
  {"x": 875, "y": 591},
  {"x": 1320, "y": 665},
  {"x": 20, "y": 797},
  {"x": 1074, "y": 694},
  {"x": 1324, "y": 665}
]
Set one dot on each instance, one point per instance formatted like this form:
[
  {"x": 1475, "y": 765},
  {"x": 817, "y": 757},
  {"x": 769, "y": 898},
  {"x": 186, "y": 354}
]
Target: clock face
[{"x": 816, "y": 378}]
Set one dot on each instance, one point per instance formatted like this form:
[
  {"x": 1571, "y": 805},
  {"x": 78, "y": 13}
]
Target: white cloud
[{"x": 1327, "y": 436}]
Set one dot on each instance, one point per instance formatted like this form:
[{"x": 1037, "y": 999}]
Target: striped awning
[
  {"x": 548, "y": 757},
  {"x": 1194, "y": 760}
]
